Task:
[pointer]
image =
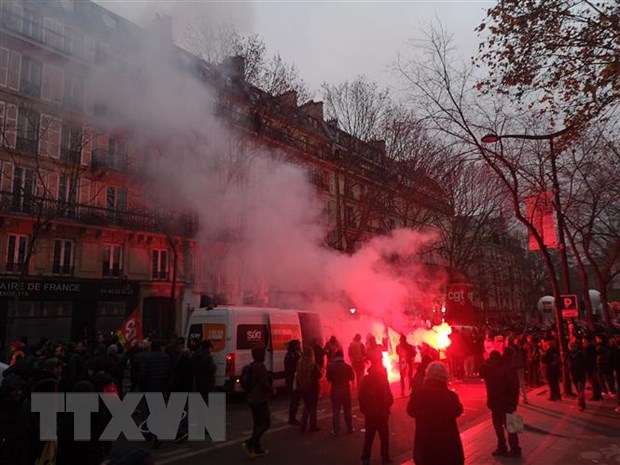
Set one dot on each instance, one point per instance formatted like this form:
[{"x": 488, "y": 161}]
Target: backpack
[{"x": 247, "y": 377}]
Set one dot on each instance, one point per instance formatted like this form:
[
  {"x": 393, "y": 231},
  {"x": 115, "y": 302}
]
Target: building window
[
  {"x": 27, "y": 131},
  {"x": 74, "y": 91},
  {"x": 63, "y": 257},
  {"x": 160, "y": 265},
  {"x": 31, "y": 73},
  {"x": 32, "y": 26},
  {"x": 71, "y": 144},
  {"x": 117, "y": 152},
  {"x": 23, "y": 190},
  {"x": 351, "y": 217},
  {"x": 16, "y": 252},
  {"x": 115, "y": 199},
  {"x": 112, "y": 260},
  {"x": 67, "y": 196}
]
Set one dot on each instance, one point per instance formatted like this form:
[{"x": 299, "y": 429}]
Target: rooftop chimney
[
  {"x": 289, "y": 98},
  {"x": 378, "y": 144},
  {"x": 234, "y": 67},
  {"x": 314, "y": 109}
]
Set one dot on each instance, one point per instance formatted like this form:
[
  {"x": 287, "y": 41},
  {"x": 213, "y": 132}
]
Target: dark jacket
[
  {"x": 17, "y": 428},
  {"x": 502, "y": 386},
  {"x": 154, "y": 374},
  {"x": 291, "y": 359},
  {"x": 437, "y": 439},
  {"x": 339, "y": 374},
  {"x": 576, "y": 362},
  {"x": 204, "y": 371},
  {"x": 183, "y": 374},
  {"x": 374, "y": 394},
  {"x": 261, "y": 389}
]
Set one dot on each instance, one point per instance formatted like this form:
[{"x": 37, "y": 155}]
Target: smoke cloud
[{"x": 260, "y": 217}]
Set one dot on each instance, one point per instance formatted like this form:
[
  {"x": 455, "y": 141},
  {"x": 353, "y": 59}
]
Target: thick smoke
[{"x": 261, "y": 219}]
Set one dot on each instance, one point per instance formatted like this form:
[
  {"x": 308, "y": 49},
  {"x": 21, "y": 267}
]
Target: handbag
[{"x": 514, "y": 423}]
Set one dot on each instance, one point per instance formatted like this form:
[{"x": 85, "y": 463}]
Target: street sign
[{"x": 569, "y": 306}]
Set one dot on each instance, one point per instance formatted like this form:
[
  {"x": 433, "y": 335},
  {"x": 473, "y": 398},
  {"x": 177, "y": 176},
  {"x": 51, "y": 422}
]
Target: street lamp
[{"x": 492, "y": 138}]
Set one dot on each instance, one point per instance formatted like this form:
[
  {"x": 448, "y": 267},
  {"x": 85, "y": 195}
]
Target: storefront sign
[{"x": 69, "y": 289}]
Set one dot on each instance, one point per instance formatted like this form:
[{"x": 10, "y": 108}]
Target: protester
[
  {"x": 340, "y": 375},
  {"x": 357, "y": 357},
  {"x": 502, "y": 386},
  {"x": 204, "y": 370},
  {"x": 308, "y": 376},
  {"x": 291, "y": 359},
  {"x": 375, "y": 399},
  {"x": 551, "y": 360},
  {"x": 406, "y": 356},
  {"x": 418, "y": 379},
  {"x": 17, "y": 431},
  {"x": 576, "y": 364},
  {"x": 435, "y": 409},
  {"x": 258, "y": 394}
]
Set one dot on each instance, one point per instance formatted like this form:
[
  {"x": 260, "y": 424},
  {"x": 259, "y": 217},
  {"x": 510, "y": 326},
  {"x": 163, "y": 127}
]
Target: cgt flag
[
  {"x": 130, "y": 332},
  {"x": 539, "y": 211}
]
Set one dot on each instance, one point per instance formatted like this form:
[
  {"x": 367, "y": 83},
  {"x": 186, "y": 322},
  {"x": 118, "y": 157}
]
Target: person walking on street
[
  {"x": 589, "y": 350},
  {"x": 357, "y": 357},
  {"x": 375, "y": 400},
  {"x": 576, "y": 363},
  {"x": 435, "y": 409},
  {"x": 518, "y": 363},
  {"x": 291, "y": 359},
  {"x": 258, "y": 393},
  {"x": 308, "y": 376},
  {"x": 204, "y": 370},
  {"x": 340, "y": 375},
  {"x": 502, "y": 386},
  {"x": 553, "y": 365},
  {"x": 406, "y": 356}
]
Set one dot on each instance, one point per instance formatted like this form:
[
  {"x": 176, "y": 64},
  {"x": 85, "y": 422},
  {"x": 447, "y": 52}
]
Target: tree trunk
[{"x": 583, "y": 274}]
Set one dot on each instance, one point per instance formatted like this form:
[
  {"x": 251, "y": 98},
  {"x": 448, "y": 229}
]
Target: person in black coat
[
  {"x": 576, "y": 364},
  {"x": 553, "y": 370},
  {"x": 435, "y": 409},
  {"x": 17, "y": 429},
  {"x": 204, "y": 370},
  {"x": 291, "y": 359},
  {"x": 502, "y": 385},
  {"x": 375, "y": 399},
  {"x": 340, "y": 375}
]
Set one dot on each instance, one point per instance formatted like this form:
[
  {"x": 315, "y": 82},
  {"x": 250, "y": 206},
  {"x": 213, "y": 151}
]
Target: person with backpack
[
  {"x": 308, "y": 376},
  {"x": 291, "y": 359},
  {"x": 255, "y": 382}
]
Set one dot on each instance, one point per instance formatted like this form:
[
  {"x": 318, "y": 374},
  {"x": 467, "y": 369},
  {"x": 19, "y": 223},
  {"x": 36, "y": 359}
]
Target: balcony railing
[
  {"x": 36, "y": 31},
  {"x": 30, "y": 88},
  {"x": 70, "y": 155},
  {"x": 102, "y": 158},
  {"x": 47, "y": 208}
]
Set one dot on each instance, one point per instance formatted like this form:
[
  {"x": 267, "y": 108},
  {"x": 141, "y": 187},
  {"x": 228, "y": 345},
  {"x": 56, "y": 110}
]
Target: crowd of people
[
  {"x": 98, "y": 366},
  {"x": 509, "y": 362}
]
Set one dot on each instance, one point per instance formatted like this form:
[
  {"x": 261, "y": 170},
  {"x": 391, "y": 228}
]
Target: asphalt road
[{"x": 287, "y": 445}]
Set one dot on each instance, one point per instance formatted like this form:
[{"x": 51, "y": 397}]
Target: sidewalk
[{"x": 555, "y": 433}]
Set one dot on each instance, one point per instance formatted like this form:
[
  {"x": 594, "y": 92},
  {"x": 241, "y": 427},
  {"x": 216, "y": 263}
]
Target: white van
[{"x": 234, "y": 331}]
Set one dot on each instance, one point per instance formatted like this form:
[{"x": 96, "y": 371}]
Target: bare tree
[{"x": 269, "y": 72}]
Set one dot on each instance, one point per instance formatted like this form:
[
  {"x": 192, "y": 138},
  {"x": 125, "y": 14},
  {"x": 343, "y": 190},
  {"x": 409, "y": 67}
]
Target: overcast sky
[{"x": 327, "y": 40}]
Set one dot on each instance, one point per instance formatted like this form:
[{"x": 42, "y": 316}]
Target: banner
[
  {"x": 539, "y": 211},
  {"x": 130, "y": 333},
  {"x": 460, "y": 303}
]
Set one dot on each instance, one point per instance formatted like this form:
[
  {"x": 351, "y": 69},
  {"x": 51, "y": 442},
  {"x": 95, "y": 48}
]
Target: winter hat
[{"x": 437, "y": 371}]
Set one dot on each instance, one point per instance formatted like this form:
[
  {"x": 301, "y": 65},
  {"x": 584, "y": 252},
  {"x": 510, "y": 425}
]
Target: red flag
[
  {"x": 130, "y": 332},
  {"x": 540, "y": 212}
]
